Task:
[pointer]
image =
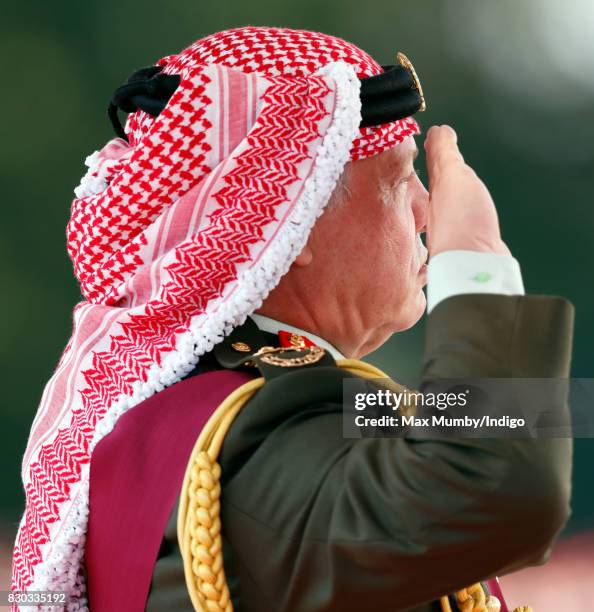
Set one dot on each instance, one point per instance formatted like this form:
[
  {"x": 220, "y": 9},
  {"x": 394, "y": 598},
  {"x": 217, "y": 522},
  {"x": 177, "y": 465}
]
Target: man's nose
[{"x": 420, "y": 203}]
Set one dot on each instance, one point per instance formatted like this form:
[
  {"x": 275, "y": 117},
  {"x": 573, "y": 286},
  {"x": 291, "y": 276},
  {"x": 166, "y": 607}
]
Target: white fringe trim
[
  {"x": 62, "y": 570},
  {"x": 95, "y": 180}
]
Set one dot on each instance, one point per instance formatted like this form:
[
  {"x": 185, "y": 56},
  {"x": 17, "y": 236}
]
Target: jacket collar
[{"x": 267, "y": 324}]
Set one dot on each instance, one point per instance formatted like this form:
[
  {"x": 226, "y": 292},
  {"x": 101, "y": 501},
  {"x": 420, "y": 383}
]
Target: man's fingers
[
  {"x": 442, "y": 146},
  {"x": 442, "y": 150}
]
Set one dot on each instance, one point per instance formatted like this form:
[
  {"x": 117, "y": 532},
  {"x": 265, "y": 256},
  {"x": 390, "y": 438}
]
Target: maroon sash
[
  {"x": 495, "y": 589},
  {"x": 136, "y": 474}
]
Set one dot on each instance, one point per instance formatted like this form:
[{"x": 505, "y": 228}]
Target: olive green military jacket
[{"x": 315, "y": 522}]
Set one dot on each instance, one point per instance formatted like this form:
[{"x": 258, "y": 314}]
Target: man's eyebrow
[
  {"x": 412, "y": 154},
  {"x": 397, "y": 168}
]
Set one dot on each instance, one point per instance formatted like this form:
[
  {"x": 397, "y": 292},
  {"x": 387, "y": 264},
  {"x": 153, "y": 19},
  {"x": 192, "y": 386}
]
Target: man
[{"x": 181, "y": 233}]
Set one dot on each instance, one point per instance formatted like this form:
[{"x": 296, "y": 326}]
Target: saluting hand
[{"x": 462, "y": 214}]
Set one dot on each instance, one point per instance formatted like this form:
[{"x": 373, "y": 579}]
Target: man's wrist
[
  {"x": 475, "y": 245},
  {"x": 463, "y": 271}
]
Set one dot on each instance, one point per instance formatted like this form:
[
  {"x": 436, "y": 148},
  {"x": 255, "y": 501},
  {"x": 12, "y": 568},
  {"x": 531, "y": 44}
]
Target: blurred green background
[{"x": 515, "y": 79}]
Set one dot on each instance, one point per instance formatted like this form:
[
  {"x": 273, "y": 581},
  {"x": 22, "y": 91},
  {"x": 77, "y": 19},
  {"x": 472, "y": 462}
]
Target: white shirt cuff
[{"x": 458, "y": 272}]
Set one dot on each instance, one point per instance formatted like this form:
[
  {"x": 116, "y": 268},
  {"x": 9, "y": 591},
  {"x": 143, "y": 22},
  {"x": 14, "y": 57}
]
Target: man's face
[{"x": 373, "y": 257}]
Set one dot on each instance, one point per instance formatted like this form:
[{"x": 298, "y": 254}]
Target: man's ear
[{"x": 304, "y": 258}]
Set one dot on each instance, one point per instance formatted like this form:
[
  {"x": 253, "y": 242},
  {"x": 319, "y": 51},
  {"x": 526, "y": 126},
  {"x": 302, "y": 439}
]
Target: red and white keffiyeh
[{"x": 176, "y": 237}]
